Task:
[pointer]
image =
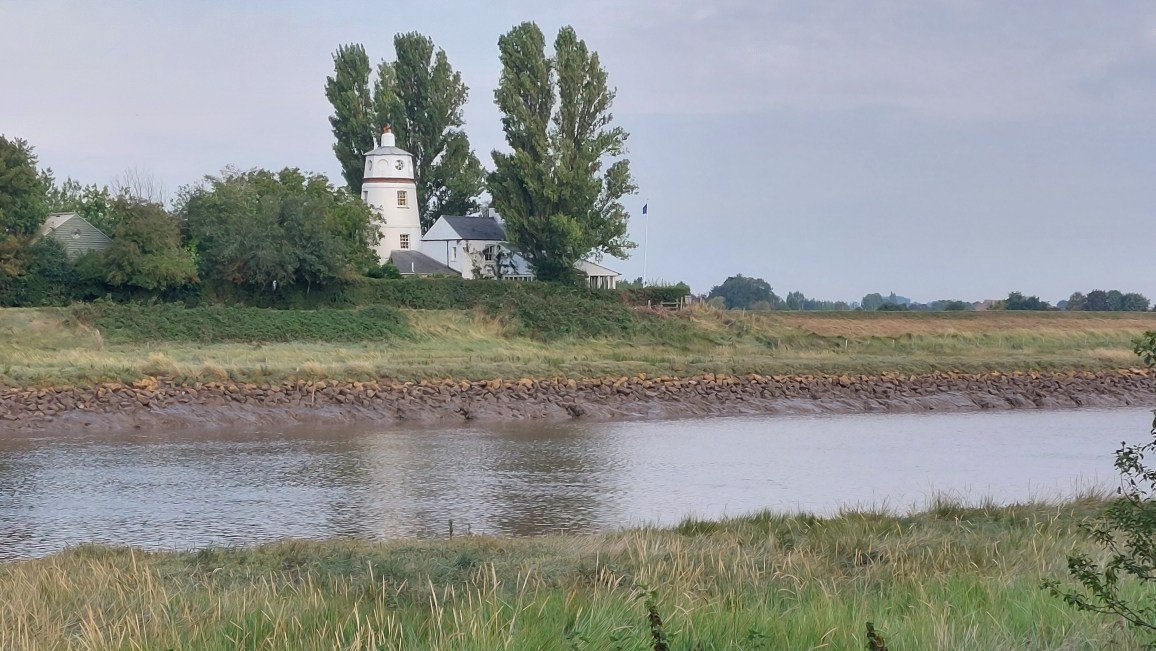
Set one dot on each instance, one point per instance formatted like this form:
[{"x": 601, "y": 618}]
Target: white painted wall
[{"x": 387, "y": 174}]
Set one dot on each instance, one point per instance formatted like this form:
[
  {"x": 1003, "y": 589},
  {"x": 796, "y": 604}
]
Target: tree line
[
  {"x": 745, "y": 293},
  {"x": 558, "y": 187}
]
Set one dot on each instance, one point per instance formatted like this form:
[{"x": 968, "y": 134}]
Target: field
[
  {"x": 952, "y": 577},
  {"x": 50, "y": 347}
]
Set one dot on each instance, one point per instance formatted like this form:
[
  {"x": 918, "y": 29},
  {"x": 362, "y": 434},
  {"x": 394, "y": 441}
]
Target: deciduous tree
[
  {"x": 741, "y": 292},
  {"x": 23, "y": 203},
  {"x": 558, "y": 201},
  {"x": 146, "y": 249},
  {"x": 260, "y": 229}
]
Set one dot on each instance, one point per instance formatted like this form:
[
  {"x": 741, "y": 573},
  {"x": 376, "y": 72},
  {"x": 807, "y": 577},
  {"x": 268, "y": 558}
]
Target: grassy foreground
[
  {"x": 50, "y": 347},
  {"x": 952, "y": 577}
]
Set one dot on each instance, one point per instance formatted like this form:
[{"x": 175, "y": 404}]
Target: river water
[{"x": 166, "y": 490}]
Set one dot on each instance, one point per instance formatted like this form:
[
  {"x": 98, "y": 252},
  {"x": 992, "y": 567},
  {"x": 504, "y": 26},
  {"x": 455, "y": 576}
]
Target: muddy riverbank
[{"x": 162, "y": 403}]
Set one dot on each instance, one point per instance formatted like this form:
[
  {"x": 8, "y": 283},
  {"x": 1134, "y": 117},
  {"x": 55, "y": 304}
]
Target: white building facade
[{"x": 388, "y": 187}]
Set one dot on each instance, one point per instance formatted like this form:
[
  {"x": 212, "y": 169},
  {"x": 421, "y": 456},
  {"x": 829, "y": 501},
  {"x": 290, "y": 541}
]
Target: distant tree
[
  {"x": 954, "y": 306},
  {"x": 795, "y": 300},
  {"x": 146, "y": 249},
  {"x": 1134, "y": 302},
  {"x": 1105, "y": 301},
  {"x": 259, "y": 229},
  {"x": 741, "y": 292},
  {"x": 1115, "y": 300},
  {"x": 1096, "y": 301},
  {"x": 872, "y": 302},
  {"x": 354, "y": 120},
  {"x": 893, "y": 307},
  {"x": 1017, "y": 301},
  {"x": 558, "y": 203},
  {"x": 422, "y": 96}
]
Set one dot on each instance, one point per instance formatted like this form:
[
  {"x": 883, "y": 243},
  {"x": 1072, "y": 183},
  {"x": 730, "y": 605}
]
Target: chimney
[{"x": 387, "y": 137}]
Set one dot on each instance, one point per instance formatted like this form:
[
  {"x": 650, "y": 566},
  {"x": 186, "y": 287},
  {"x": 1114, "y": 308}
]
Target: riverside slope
[{"x": 160, "y": 403}]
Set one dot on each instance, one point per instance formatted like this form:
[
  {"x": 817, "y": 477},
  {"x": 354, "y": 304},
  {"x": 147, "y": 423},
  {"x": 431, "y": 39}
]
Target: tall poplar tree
[
  {"x": 355, "y": 113},
  {"x": 558, "y": 202},
  {"x": 421, "y": 96}
]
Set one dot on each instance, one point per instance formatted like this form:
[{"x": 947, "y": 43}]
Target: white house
[
  {"x": 475, "y": 247},
  {"x": 472, "y": 247}
]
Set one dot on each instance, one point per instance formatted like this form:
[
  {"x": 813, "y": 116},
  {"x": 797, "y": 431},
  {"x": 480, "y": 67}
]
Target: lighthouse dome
[{"x": 388, "y": 160}]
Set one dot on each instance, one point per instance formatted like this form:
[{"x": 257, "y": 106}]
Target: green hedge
[{"x": 225, "y": 323}]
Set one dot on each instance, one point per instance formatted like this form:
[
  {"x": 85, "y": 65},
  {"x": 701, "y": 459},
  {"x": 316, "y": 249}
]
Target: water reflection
[{"x": 192, "y": 489}]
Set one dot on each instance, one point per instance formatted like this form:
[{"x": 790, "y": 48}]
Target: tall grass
[
  {"x": 955, "y": 577},
  {"x": 49, "y": 346}
]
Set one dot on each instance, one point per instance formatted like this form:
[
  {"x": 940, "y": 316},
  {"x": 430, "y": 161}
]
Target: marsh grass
[
  {"x": 957, "y": 576},
  {"x": 48, "y": 346}
]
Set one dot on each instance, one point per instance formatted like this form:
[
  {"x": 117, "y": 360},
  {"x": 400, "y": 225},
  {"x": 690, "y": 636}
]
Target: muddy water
[{"x": 187, "y": 489}]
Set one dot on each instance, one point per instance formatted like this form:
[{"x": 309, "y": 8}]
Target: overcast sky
[{"x": 935, "y": 148}]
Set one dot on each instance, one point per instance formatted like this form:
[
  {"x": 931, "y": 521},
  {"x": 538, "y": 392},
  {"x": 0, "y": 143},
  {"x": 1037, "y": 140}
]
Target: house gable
[{"x": 75, "y": 233}]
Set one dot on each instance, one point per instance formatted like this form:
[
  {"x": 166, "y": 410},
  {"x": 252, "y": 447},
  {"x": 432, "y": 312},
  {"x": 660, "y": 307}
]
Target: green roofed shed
[{"x": 75, "y": 233}]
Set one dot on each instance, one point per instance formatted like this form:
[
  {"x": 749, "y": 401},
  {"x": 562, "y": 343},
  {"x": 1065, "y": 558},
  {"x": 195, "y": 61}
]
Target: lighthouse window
[
  {"x": 365, "y": 195},
  {"x": 369, "y": 166},
  {"x": 401, "y": 201},
  {"x": 404, "y": 241}
]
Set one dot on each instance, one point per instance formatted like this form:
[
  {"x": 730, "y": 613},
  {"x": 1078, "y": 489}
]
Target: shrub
[
  {"x": 221, "y": 323},
  {"x": 1127, "y": 534},
  {"x": 47, "y": 276}
]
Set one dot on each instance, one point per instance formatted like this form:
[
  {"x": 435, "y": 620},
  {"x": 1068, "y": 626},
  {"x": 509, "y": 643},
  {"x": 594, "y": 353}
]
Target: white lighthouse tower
[{"x": 388, "y": 187}]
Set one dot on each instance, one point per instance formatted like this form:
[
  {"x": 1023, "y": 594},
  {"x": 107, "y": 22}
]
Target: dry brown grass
[{"x": 938, "y": 324}]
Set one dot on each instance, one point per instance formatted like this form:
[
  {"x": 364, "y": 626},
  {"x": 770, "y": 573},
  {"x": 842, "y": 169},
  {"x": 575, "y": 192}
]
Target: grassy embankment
[
  {"x": 949, "y": 578},
  {"x": 53, "y": 346}
]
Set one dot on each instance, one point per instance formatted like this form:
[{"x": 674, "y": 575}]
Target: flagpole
[{"x": 645, "y": 240}]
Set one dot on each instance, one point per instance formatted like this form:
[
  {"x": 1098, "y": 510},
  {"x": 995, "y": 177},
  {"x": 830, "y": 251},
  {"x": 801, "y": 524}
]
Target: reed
[{"x": 958, "y": 577}]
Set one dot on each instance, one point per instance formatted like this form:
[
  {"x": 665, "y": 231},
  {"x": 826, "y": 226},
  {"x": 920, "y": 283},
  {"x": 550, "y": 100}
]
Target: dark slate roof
[
  {"x": 477, "y": 228},
  {"x": 416, "y": 262}
]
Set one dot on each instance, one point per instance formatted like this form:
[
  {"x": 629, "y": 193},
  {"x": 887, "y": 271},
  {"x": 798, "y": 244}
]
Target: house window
[
  {"x": 455, "y": 253},
  {"x": 488, "y": 253},
  {"x": 401, "y": 198},
  {"x": 404, "y": 240}
]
